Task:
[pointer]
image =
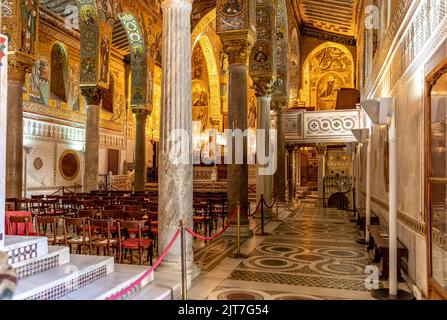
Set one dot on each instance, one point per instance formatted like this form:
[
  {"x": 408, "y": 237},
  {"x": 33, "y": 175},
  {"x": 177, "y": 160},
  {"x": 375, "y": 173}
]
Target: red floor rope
[
  {"x": 217, "y": 234},
  {"x": 148, "y": 272},
  {"x": 256, "y": 210},
  {"x": 276, "y": 198}
]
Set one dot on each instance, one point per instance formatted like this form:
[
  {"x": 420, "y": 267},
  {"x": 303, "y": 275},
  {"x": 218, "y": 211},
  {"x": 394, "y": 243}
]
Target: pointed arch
[
  {"x": 59, "y": 72},
  {"x": 338, "y": 69},
  {"x": 197, "y": 38}
]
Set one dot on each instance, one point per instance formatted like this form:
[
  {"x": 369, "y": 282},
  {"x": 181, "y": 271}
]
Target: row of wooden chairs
[{"x": 90, "y": 235}]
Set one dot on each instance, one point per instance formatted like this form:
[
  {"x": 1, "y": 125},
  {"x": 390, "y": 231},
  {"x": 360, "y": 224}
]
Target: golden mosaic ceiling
[{"x": 338, "y": 16}]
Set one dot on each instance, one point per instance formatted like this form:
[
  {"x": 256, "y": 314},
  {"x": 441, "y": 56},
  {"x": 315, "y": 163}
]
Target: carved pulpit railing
[{"x": 321, "y": 126}]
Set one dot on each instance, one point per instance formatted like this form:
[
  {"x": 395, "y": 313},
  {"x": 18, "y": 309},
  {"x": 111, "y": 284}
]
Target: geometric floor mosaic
[{"x": 310, "y": 254}]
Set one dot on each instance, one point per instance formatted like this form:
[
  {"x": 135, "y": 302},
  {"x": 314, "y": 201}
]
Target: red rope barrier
[
  {"x": 276, "y": 198},
  {"x": 217, "y": 234},
  {"x": 256, "y": 210},
  {"x": 148, "y": 272}
]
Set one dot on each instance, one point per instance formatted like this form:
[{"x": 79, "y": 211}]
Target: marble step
[
  {"x": 121, "y": 278},
  {"x": 159, "y": 290},
  {"x": 21, "y": 248},
  {"x": 58, "y": 282},
  {"x": 56, "y": 256}
]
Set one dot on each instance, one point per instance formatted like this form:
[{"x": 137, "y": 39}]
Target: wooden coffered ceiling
[{"x": 335, "y": 16}]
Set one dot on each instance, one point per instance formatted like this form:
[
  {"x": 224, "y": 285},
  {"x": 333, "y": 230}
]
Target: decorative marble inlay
[
  {"x": 71, "y": 285},
  {"x": 21, "y": 254},
  {"x": 38, "y": 163},
  {"x": 37, "y": 267}
]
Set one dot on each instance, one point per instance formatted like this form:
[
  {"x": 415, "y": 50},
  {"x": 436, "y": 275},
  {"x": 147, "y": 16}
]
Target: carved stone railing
[
  {"x": 122, "y": 182},
  {"x": 320, "y": 126},
  {"x": 205, "y": 173}
]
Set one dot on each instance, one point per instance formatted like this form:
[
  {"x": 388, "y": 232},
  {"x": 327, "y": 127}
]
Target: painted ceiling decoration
[{"x": 336, "y": 16}]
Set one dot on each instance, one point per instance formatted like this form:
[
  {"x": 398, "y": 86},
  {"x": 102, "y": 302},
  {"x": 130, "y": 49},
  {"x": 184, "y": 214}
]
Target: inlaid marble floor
[{"x": 310, "y": 253}]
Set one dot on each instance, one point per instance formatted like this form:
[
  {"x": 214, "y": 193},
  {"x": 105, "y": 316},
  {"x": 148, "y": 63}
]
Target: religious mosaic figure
[
  {"x": 29, "y": 16},
  {"x": 327, "y": 93},
  {"x": 104, "y": 59},
  {"x": 73, "y": 88},
  {"x": 252, "y": 114},
  {"x": 200, "y": 98},
  {"x": 261, "y": 56},
  {"x": 109, "y": 8},
  {"x": 232, "y": 7},
  {"x": 89, "y": 20},
  {"x": 197, "y": 66}
]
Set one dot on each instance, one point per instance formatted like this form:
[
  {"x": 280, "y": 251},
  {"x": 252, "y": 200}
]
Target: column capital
[
  {"x": 237, "y": 46},
  {"x": 176, "y": 3},
  {"x": 19, "y": 64},
  {"x": 321, "y": 149},
  {"x": 93, "y": 95},
  {"x": 263, "y": 86},
  {"x": 140, "y": 114}
]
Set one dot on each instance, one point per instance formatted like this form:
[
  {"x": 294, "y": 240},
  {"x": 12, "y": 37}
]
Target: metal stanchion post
[
  {"x": 262, "y": 214},
  {"x": 183, "y": 253},
  {"x": 238, "y": 229}
]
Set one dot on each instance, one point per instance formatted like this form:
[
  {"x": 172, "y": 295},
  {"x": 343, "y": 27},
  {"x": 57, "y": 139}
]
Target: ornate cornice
[
  {"x": 328, "y": 36},
  {"x": 93, "y": 95},
  {"x": 49, "y": 19},
  {"x": 263, "y": 86},
  {"x": 19, "y": 64}
]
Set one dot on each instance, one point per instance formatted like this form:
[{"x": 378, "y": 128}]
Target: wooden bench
[
  {"x": 379, "y": 240},
  {"x": 361, "y": 219}
]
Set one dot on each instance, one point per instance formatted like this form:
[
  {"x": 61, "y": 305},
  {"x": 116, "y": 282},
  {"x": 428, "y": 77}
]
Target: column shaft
[
  {"x": 140, "y": 151},
  {"x": 237, "y": 119},
  {"x": 175, "y": 159},
  {"x": 14, "y": 136},
  {"x": 91, "y": 157},
  {"x": 264, "y": 180},
  {"x": 321, "y": 152},
  {"x": 279, "y": 179}
]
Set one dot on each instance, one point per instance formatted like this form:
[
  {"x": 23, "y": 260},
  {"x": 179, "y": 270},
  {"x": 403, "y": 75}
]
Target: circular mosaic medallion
[
  {"x": 69, "y": 165},
  {"x": 38, "y": 163},
  {"x": 235, "y": 294}
]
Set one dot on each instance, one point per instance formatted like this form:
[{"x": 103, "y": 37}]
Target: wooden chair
[
  {"x": 75, "y": 233},
  {"x": 45, "y": 223},
  {"x": 23, "y": 205},
  {"x": 51, "y": 208},
  {"x": 137, "y": 243},
  {"x": 201, "y": 217},
  {"x": 100, "y": 236},
  {"x": 15, "y": 221}
]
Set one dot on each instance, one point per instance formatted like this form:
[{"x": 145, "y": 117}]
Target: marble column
[
  {"x": 3, "y": 143},
  {"x": 17, "y": 69},
  {"x": 290, "y": 172},
  {"x": 93, "y": 98},
  {"x": 321, "y": 153},
  {"x": 237, "y": 118},
  {"x": 279, "y": 179},
  {"x": 140, "y": 149},
  {"x": 264, "y": 181},
  {"x": 298, "y": 167},
  {"x": 175, "y": 182}
]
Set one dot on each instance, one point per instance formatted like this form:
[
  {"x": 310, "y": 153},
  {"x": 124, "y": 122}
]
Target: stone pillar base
[
  {"x": 172, "y": 271},
  {"x": 246, "y": 232}
]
